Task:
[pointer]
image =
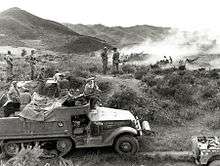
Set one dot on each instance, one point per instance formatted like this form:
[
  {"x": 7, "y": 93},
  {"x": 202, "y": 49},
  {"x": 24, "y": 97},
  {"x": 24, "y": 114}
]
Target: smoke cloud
[{"x": 178, "y": 45}]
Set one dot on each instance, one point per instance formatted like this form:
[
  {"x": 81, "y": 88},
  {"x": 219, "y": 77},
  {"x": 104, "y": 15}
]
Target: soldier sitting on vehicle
[
  {"x": 89, "y": 95},
  {"x": 90, "y": 92},
  {"x": 13, "y": 103}
]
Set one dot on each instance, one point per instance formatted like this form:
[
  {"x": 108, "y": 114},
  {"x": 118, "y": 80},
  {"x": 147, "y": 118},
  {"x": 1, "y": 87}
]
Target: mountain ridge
[
  {"x": 17, "y": 26},
  {"x": 121, "y": 36}
]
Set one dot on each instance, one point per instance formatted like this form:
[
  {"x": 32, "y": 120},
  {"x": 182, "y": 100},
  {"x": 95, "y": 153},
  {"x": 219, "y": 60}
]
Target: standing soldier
[
  {"x": 104, "y": 56},
  {"x": 116, "y": 60},
  {"x": 32, "y": 62},
  {"x": 9, "y": 69}
]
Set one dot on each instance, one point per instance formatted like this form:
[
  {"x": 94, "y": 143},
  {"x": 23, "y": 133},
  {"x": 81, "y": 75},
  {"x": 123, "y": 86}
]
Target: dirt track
[{"x": 107, "y": 157}]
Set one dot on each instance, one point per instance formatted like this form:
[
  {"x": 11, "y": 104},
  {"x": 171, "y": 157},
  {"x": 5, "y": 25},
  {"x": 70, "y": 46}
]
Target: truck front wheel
[
  {"x": 215, "y": 163},
  {"x": 126, "y": 145}
]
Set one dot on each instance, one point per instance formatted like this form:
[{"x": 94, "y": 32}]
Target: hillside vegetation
[{"x": 19, "y": 28}]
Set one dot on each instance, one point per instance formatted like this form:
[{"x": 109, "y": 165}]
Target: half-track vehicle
[
  {"x": 74, "y": 127},
  {"x": 206, "y": 150}
]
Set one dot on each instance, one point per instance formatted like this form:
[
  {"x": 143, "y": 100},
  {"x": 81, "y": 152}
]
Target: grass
[{"x": 177, "y": 104}]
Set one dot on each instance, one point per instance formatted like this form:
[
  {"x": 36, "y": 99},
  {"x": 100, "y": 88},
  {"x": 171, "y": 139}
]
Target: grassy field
[{"x": 178, "y": 104}]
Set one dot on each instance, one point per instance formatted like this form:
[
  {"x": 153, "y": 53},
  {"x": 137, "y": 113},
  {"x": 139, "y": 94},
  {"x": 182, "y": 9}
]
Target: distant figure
[
  {"x": 90, "y": 92},
  {"x": 192, "y": 60},
  {"x": 182, "y": 65},
  {"x": 116, "y": 60},
  {"x": 171, "y": 60},
  {"x": 166, "y": 60},
  {"x": 23, "y": 52},
  {"x": 32, "y": 62},
  {"x": 9, "y": 69},
  {"x": 41, "y": 80},
  {"x": 104, "y": 56}
]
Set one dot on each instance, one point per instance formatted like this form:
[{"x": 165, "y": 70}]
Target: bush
[
  {"x": 127, "y": 69},
  {"x": 209, "y": 92},
  {"x": 184, "y": 94},
  {"x": 50, "y": 71},
  {"x": 150, "y": 80},
  {"x": 213, "y": 104},
  {"x": 124, "y": 99},
  {"x": 81, "y": 73},
  {"x": 76, "y": 82},
  {"x": 213, "y": 124},
  {"x": 140, "y": 72},
  {"x": 164, "y": 90},
  {"x": 104, "y": 86}
]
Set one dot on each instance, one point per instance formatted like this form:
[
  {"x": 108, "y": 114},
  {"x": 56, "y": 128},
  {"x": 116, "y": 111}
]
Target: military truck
[
  {"x": 74, "y": 127},
  {"x": 206, "y": 150}
]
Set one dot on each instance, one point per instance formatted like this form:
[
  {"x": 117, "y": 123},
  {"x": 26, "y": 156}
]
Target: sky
[{"x": 183, "y": 14}]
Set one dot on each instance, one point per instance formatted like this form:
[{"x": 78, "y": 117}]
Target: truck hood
[{"x": 110, "y": 114}]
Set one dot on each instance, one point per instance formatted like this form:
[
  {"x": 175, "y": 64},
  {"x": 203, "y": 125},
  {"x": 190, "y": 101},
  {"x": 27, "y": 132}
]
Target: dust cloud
[{"x": 179, "y": 45}]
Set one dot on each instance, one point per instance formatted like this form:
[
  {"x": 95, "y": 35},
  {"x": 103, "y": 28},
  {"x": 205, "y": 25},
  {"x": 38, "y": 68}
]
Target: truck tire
[
  {"x": 64, "y": 146},
  {"x": 126, "y": 145},
  {"x": 215, "y": 163},
  {"x": 11, "y": 149}
]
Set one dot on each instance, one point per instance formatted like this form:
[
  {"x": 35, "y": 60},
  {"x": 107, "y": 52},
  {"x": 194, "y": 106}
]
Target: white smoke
[{"x": 178, "y": 45}]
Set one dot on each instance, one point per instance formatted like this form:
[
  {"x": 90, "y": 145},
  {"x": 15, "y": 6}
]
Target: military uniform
[
  {"x": 116, "y": 61},
  {"x": 104, "y": 56},
  {"x": 90, "y": 93},
  {"x": 32, "y": 62},
  {"x": 9, "y": 69}
]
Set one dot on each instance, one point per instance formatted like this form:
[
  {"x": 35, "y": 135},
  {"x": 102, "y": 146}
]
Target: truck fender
[{"x": 117, "y": 132}]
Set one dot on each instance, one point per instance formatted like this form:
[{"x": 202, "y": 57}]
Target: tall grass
[{"x": 32, "y": 156}]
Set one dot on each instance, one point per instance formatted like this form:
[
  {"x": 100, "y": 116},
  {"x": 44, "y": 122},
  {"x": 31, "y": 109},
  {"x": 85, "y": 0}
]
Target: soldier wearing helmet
[{"x": 104, "y": 56}]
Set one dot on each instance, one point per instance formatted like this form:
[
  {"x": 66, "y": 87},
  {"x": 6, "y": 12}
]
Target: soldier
[
  {"x": 116, "y": 60},
  {"x": 90, "y": 92},
  {"x": 14, "y": 102},
  {"x": 41, "y": 81},
  {"x": 41, "y": 75},
  {"x": 9, "y": 69},
  {"x": 171, "y": 60},
  {"x": 32, "y": 62},
  {"x": 104, "y": 56}
]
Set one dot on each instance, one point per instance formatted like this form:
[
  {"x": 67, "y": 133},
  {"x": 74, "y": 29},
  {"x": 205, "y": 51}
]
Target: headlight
[{"x": 146, "y": 126}]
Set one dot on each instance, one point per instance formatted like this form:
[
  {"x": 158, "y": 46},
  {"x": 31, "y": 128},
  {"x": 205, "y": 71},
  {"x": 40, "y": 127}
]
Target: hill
[
  {"x": 121, "y": 36},
  {"x": 20, "y": 28}
]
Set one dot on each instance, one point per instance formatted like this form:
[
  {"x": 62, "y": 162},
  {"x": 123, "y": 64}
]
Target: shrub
[
  {"x": 209, "y": 92},
  {"x": 150, "y": 80},
  {"x": 140, "y": 72},
  {"x": 164, "y": 90},
  {"x": 50, "y": 71},
  {"x": 213, "y": 104},
  {"x": 26, "y": 157},
  {"x": 123, "y": 99},
  {"x": 104, "y": 86},
  {"x": 128, "y": 69},
  {"x": 213, "y": 124},
  {"x": 76, "y": 82},
  {"x": 184, "y": 94},
  {"x": 81, "y": 73}
]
